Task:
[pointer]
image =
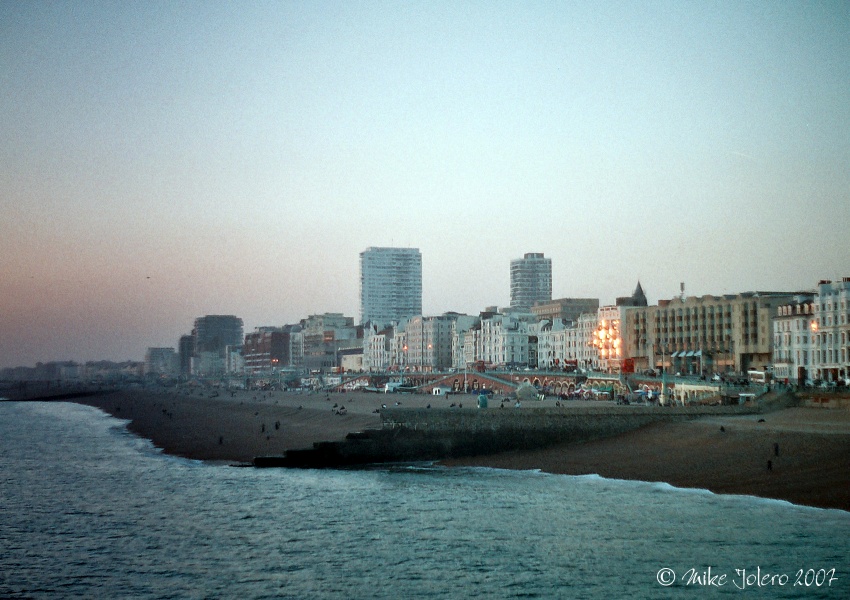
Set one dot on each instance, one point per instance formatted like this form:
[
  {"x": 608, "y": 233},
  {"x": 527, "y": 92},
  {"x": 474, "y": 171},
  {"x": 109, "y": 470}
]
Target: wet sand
[{"x": 812, "y": 467}]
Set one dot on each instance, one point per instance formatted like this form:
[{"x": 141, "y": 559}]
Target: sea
[{"x": 89, "y": 510}]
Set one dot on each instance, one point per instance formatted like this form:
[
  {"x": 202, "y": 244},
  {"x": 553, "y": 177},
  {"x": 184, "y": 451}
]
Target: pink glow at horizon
[{"x": 160, "y": 162}]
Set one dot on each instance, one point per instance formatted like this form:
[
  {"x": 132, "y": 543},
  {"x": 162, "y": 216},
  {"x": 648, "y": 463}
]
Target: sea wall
[
  {"x": 837, "y": 401},
  {"x": 410, "y": 434}
]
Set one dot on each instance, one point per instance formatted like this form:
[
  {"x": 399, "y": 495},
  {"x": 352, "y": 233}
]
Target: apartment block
[
  {"x": 390, "y": 285},
  {"x": 531, "y": 281}
]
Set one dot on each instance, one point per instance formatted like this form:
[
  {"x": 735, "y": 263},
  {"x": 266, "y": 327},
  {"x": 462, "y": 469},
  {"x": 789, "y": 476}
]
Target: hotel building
[{"x": 703, "y": 335}]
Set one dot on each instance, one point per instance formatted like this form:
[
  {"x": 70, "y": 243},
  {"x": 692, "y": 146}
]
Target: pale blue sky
[{"x": 165, "y": 160}]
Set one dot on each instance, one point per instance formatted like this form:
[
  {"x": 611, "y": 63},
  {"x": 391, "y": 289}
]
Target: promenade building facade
[
  {"x": 607, "y": 340},
  {"x": 793, "y": 342},
  {"x": 531, "y": 281},
  {"x": 580, "y": 338},
  {"x": 377, "y": 347},
  {"x": 466, "y": 347},
  {"x": 831, "y": 331},
  {"x": 463, "y": 341},
  {"x": 508, "y": 341},
  {"x": 552, "y": 351},
  {"x": 707, "y": 334},
  {"x": 390, "y": 285},
  {"x": 566, "y": 345},
  {"x": 431, "y": 340}
]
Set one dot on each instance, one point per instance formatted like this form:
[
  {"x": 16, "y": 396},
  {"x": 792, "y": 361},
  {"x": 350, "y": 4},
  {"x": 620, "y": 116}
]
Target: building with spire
[{"x": 638, "y": 298}]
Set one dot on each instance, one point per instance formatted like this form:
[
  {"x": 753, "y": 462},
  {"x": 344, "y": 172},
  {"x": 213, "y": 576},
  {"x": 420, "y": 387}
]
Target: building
[
  {"x": 793, "y": 342},
  {"x": 707, "y": 334},
  {"x": 463, "y": 338},
  {"x": 266, "y": 349},
  {"x": 831, "y": 331},
  {"x": 566, "y": 345},
  {"x": 186, "y": 350},
  {"x": 565, "y": 309},
  {"x": 507, "y": 341},
  {"x": 213, "y": 333},
  {"x": 467, "y": 346},
  {"x": 350, "y": 359},
  {"x": 607, "y": 340},
  {"x": 209, "y": 364},
  {"x": 161, "y": 361},
  {"x": 234, "y": 361},
  {"x": 376, "y": 347},
  {"x": 638, "y": 298},
  {"x": 390, "y": 285},
  {"x": 581, "y": 336},
  {"x": 430, "y": 340},
  {"x": 323, "y": 336},
  {"x": 551, "y": 344},
  {"x": 531, "y": 281}
]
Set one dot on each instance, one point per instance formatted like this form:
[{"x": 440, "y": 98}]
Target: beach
[{"x": 808, "y": 448}]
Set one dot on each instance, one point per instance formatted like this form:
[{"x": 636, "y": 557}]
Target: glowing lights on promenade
[{"x": 606, "y": 339}]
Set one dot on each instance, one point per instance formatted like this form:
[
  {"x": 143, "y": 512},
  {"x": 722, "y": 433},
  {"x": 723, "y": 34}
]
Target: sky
[{"x": 161, "y": 161}]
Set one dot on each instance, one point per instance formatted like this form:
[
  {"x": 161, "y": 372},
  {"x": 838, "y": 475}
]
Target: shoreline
[{"x": 812, "y": 467}]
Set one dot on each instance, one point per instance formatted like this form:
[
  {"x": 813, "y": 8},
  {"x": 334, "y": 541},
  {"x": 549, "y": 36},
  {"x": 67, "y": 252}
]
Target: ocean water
[{"x": 88, "y": 510}]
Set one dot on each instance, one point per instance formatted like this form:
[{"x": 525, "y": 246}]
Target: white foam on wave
[{"x": 666, "y": 488}]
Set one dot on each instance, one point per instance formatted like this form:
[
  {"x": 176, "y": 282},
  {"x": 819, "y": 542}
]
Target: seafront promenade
[{"x": 808, "y": 448}]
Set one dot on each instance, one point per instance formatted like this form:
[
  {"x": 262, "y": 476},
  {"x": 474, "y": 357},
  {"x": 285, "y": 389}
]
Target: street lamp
[{"x": 403, "y": 354}]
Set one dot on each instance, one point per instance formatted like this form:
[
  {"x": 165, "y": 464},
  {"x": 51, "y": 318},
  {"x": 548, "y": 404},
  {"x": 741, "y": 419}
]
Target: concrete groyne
[{"x": 416, "y": 434}]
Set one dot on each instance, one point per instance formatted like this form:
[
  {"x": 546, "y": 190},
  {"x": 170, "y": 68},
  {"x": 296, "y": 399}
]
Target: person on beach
[{"x": 776, "y": 449}]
